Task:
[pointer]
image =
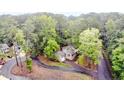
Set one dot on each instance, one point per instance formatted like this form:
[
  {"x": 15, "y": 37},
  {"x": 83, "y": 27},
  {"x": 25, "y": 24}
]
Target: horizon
[
  {"x": 66, "y": 7},
  {"x": 63, "y": 13}
]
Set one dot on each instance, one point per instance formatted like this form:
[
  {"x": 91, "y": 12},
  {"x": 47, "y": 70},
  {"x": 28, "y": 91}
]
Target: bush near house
[
  {"x": 86, "y": 62},
  {"x": 29, "y": 64},
  {"x": 80, "y": 60}
]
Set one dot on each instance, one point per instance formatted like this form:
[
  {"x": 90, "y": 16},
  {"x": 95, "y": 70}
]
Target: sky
[{"x": 69, "y": 7}]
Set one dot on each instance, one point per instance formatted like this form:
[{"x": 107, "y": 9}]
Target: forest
[{"x": 92, "y": 35}]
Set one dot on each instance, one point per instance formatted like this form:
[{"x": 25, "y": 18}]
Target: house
[
  {"x": 60, "y": 56},
  {"x": 67, "y": 52},
  {"x": 4, "y": 48},
  {"x": 3, "y": 77},
  {"x": 70, "y": 52}
]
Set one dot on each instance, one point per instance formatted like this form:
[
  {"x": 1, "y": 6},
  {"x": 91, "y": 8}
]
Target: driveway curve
[{"x": 6, "y": 70}]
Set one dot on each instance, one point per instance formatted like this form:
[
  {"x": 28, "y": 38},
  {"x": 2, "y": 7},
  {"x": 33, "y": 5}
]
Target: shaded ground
[{"x": 41, "y": 73}]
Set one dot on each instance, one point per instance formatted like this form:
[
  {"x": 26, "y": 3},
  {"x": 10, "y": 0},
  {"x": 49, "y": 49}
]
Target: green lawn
[{"x": 60, "y": 64}]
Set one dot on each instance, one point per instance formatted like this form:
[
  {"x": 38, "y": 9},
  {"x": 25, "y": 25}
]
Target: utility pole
[{"x": 16, "y": 55}]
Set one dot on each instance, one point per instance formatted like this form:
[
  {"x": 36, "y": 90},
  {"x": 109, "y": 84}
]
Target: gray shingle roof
[{"x": 4, "y": 46}]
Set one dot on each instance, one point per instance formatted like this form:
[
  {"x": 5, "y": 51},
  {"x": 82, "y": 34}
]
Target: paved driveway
[
  {"x": 6, "y": 70},
  {"x": 103, "y": 73},
  {"x": 103, "y": 70}
]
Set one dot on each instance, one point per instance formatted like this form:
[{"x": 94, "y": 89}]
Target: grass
[
  {"x": 60, "y": 64},
  {"x": 46, "y": 61}
]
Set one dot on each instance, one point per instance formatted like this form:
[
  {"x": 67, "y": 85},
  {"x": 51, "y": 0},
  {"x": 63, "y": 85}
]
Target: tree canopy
[{"x": 90, "y": 45}]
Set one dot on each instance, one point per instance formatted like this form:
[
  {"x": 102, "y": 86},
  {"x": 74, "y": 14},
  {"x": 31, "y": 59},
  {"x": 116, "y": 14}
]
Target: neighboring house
[
  {"x": 3, "y": 77},
  {"x": 9, "y": 51},
  {"x": 68, "y": 52},
  {"x": 4, "y": 48},
  {"x": 15, "y": 49},
  {"x": 60, "y": 56}
]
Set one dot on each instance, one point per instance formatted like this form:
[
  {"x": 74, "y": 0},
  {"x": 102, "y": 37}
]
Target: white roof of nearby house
[
  {"x": 60, "y": 56},
  {"x": 69, "y": 49},
  {"x": 3, "y": 78},
  {"x": 60, "y": 53},
  {"x": 3, "y": 46},
  {"x": 68, "y": 52}
]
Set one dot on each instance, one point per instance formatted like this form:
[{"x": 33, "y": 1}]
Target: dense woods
[{"x": 45, "y": 33}]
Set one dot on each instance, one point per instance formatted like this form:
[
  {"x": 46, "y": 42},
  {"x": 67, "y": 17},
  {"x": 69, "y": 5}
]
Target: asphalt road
[
  {"x": 6, "y": 70},
  {"x": 103, "y": 70}
]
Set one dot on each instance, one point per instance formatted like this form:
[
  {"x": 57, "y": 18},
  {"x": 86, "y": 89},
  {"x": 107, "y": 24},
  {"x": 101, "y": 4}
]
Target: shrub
[
  {"x": 29, "y": 64},
  {"x": 34, "y": 53},
  {"x": 81, "y": 60}
]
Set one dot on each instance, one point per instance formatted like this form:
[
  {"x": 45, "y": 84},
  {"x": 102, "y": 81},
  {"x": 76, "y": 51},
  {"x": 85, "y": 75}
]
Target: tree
[
  {"x": 51, "y": 48},
  {"x": 61, "y": 28},
  {"x": 90, "y": 44},
  {"x": 119, "y": 23},
  {"x": 19, "y": 38},
  {"x": 110, "y": 26},
  {"x": 74, "y": 29},
  {"x": 12, "y": 41},
  {"x": 6, "y": 25},
  {"x": 16, "y": 37},
  {"x": 118, "y": 62},
  {"x": 114, "y": 41},
  {"x": 109, "y": 32},
  {"x": 43, "y": 29},
  {"x": 31, "y": 36},
  {"x": 118, "y": 59},
  {"x": 92, "y": 22}
]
